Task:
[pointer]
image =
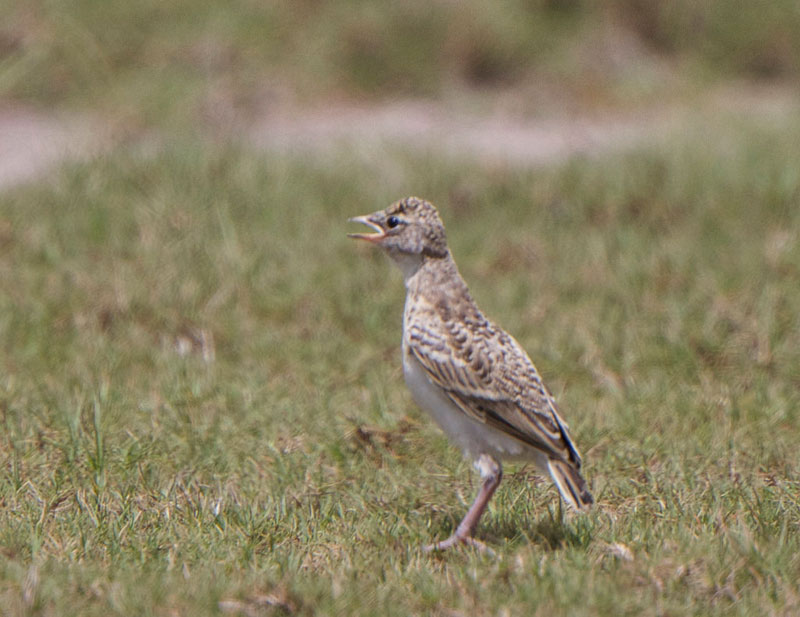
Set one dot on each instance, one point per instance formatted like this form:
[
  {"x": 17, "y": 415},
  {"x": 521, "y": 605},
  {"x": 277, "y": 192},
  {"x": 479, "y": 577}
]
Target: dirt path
[
  {"x": 511, "y": 140},
  {"x": 430, "y": 127},
  {"x": 31, "y": 142}
]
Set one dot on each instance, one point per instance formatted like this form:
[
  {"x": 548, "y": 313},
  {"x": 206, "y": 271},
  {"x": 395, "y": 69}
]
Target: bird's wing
[{"x": 488, "y": 375}]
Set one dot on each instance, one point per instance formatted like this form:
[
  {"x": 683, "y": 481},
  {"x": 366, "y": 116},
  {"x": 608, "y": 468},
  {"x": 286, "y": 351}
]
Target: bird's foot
[{"x": 454, "y": 540}]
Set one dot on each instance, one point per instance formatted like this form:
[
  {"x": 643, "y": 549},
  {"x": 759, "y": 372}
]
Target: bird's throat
[{"x": 409, "y": 263}]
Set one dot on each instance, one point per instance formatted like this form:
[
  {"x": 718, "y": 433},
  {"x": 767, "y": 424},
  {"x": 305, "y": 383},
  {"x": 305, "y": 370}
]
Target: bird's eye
[{"x": 392, "y": 222}]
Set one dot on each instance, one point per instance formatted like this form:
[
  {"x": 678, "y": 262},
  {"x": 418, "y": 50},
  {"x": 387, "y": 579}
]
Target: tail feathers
[{"x": 570, "y": 484}]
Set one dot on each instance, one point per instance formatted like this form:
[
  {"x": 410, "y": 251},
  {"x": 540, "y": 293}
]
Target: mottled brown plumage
[{"x": 473, "y": 378}]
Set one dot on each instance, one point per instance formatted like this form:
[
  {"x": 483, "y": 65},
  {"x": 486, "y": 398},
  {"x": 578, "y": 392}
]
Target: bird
[{"x": 472, "y": 377}]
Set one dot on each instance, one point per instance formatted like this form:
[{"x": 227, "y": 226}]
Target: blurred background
[
  {"x": 200, "y": 385},
  {"x": 225, "y": 68}
]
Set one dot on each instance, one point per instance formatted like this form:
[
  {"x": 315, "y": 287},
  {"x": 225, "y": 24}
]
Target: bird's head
[{"x": 409, "y": 227}]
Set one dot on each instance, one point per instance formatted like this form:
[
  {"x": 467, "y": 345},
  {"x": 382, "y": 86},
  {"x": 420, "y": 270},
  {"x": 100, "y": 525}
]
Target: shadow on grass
[{"x": 552, "y": 531}]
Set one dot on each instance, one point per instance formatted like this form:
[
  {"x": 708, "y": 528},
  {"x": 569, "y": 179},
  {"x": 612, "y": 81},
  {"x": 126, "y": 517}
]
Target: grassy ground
[
  {"x": 203, "y": 410},
  {"x": 188, "y": 62}
]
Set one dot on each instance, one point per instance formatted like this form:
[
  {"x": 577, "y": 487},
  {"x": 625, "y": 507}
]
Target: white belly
[{"x": 472, "y": 436}]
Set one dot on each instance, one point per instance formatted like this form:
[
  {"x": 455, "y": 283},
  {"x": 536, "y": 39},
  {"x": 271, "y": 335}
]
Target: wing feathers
[{"x": 488, "y": 375}]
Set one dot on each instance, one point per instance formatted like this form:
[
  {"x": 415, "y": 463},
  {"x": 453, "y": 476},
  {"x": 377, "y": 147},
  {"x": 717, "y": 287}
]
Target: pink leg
[{"x": 492, "y": 474}]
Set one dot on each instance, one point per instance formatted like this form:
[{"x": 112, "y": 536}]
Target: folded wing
[{"x": 488, "y": 375}]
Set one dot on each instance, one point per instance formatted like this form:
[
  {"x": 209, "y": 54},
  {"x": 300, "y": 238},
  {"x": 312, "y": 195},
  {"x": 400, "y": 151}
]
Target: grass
[
  {"x": 188, "y": 63},
  {"x": 203, "y": 410}
]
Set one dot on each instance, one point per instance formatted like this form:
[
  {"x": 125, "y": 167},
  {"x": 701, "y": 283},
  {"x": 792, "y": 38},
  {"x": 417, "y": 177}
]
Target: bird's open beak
[{"x": 379, "y": 233}]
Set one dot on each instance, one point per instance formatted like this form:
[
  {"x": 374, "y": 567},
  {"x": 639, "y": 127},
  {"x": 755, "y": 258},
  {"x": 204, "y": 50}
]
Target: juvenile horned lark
[{"x": 472, "y": 377}]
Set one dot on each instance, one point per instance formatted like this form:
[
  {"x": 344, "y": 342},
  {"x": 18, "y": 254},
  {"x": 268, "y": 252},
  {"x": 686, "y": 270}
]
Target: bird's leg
[{"x": 491, "y": 473}]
